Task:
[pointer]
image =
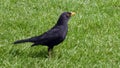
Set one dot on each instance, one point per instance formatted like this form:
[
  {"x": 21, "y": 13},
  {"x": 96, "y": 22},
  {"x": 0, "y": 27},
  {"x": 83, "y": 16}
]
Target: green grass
[{"x": 93, "y": 40}]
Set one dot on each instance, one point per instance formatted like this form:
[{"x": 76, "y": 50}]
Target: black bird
[{"x": 52, "y": 37}]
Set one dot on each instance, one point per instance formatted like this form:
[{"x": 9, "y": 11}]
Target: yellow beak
[{"x": 73, "y": 13}]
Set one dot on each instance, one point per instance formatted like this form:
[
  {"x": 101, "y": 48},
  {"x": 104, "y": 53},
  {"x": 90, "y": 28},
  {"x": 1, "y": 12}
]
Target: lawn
[{"x": 93, "y": 39}]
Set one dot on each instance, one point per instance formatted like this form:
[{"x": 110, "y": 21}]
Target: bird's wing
[{"x": 47, "y": 37}]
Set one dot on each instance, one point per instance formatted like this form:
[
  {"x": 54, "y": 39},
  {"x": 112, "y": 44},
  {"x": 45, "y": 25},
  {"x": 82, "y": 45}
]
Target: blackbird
[{"x": 54, "y": 36}]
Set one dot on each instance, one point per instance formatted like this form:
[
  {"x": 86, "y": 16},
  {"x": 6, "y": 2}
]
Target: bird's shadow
[
  {"x": 35, "y": 54},
  {"x": 40, "y": 54}
]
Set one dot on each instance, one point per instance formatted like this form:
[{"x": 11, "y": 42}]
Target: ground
[{"x": 93, "y": 39}]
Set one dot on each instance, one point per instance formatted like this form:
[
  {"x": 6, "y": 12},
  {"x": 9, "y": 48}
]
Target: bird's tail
[{"x": 21, "y": 41}]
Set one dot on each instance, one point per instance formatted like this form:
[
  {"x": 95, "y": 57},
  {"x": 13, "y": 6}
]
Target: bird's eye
[{"x": 68, "y": 15}]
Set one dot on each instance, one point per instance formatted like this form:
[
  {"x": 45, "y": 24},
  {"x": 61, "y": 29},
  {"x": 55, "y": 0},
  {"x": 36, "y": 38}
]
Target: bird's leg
[{"x": 50, "y": 49}]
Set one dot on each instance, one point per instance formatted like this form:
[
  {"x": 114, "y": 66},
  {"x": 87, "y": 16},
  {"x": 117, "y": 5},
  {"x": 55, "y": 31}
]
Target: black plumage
[{"x": 52, "y": 37}]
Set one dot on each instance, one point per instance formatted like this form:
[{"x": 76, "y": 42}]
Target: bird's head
[
  {"x": 67, "y": 15},
  {"x": 64, "y": 17}
]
